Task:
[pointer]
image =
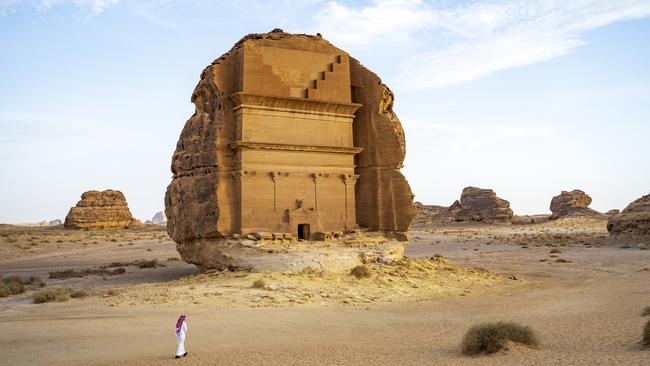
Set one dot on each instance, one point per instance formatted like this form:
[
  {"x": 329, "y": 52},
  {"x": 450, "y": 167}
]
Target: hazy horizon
[{"x": 528, "y": 98}]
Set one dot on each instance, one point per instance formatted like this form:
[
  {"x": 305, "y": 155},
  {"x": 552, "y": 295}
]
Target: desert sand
[{"x": 581, "y": 291}]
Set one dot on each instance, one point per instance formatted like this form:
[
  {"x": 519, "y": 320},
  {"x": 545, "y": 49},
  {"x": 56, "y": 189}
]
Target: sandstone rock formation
[
  {"x": 634, "y": 219},
  {"x": 100, "y": 210},
  {"x": 612, "y": 212},
  {"x": 483, "y": 205},
  {"x": 291, "y": 136},
  {"x": 55, "y": 222},
  {"x": 431, "y": 214},
  {"x": 159, "y": 218},
  {"x": 574, "y": 203}
]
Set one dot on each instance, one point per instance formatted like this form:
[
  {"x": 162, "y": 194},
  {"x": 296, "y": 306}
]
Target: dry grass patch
[
  {"x": 646, "y": 311},
  {"x": 259, "y": 283},
  {"x": 49, "y": 295},
  {"x": 360, "y": 272},
  {"x": 71, "y": 273},
  {"x": 492, "y": 337}
]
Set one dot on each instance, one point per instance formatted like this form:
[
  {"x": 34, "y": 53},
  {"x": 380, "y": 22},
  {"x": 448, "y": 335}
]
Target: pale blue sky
[{"x": 526, "y": 97}]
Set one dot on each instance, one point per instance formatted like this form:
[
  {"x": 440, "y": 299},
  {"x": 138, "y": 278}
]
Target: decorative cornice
[
  {"x": 243, "y": 145},
  {"x": 292, "y": 104}
]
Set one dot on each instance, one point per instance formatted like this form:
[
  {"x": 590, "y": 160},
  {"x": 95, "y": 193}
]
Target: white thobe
[{"x": 180, "y": 338}]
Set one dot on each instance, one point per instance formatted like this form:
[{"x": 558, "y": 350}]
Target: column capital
[
  {"x": 319, "y": 178},
  {"x": 349, "y": 179}
]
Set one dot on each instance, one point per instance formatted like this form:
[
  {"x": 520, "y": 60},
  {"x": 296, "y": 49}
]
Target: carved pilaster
[
  {"x": 319, "y": 178},
  {"x": 278, "y": 178},
  {"x": 350, "y": 211}
]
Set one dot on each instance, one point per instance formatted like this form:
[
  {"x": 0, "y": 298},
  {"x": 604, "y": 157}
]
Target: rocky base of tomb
[{"x": 260, "y": 253}]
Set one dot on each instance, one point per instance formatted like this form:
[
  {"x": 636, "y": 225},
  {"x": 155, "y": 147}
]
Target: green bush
[
  {"x": 360, "y": 272},
  {"x": 491, "y": 337}
]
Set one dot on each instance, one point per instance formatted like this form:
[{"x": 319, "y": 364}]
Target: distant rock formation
[
  {"x": 483, "y": 205},
  {"x": 159, "y": 218},
  {"x": 634, "y": 219},
  {"x": 612, "y": 212},
  {"x": 55, "y": 222},
  {"x": 430, "y": 214},
  {"x": 100, "y": 210},
  {"x": 574, "y": 203}
]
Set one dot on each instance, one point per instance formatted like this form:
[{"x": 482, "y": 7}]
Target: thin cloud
[
  {"x": 89, "y": 7},
  {"x": 480, "y": 37}
]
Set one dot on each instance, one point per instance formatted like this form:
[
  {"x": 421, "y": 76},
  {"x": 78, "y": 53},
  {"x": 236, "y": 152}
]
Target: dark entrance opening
[{"x": 303, "y": 231}]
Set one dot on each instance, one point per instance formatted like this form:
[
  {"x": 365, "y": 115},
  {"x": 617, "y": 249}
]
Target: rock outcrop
[
  {"x": 482, "y": 205},
  {"x": 633, "y": 220},
  {"x": 431, "y": 214},
  {"x": 290, "y": 136},
  {"x": 159, "y": 218},
  {"x": 55, "y": 222},
  {"x": 100, "y": 210},
  {"x": 574, "y": 203}
]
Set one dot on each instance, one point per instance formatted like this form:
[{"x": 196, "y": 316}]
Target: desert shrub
[
  {"x": 4, "y": 290},
  {"x": 259, "y": 283},
  {"x": 78, "y": 294},
  {"x": 171, "y": 259},
  {"x": 71, "y": 273},
  {"x": 115, "y": 264},
  {"x": 55, "y": 294},
  {"x": 491, "y": 337},
  {"x": 646, "y": 311},
  {"x": 360, "y": 272},
  {"x": 15, "y": 284},
  {"x": 646, "y": 334},
  {"x": 34, "y": 281},
  {"x": 142, "y": 263}
]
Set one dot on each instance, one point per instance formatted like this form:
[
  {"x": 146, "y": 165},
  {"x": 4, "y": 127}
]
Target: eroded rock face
[
  {"x": 477, "y": 204},
  {"x": 573, "y": 203},
  {"x": 100, "y": 210},
  {"x": 634, "y": 219},
  {"x": 290, "y": 136},
  {"x": 431, "y": 214}
]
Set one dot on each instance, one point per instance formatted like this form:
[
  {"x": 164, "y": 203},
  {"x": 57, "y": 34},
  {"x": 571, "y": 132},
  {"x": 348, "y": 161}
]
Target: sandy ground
[{"x": 585, "y": 307}]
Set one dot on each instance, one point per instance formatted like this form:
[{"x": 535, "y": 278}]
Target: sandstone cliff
[
  {"x": 100, "y": 210},
  {"x": 634, "y": 219}
]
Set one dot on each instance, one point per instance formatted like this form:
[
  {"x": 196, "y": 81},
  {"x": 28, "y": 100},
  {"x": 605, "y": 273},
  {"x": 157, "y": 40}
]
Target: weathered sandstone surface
[
  {"x": 100, "y": 210},
  {"x": 634, "y": 219},
  {"x": 573, "y": 203},
  {"x": 477, "y": 204},
  {"x": 293, "y": 138},
  {"x": 431, "y": 214}
]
